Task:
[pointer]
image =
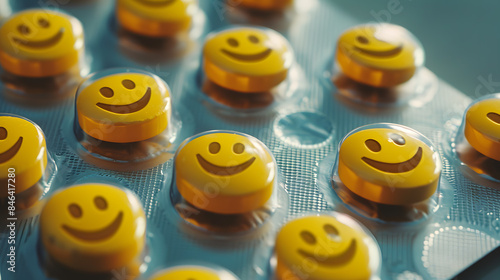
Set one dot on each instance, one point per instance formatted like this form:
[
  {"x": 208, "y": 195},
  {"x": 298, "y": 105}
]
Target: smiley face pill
[
  {"x": 482, "y": 127},
  {"x": 124, "y": 107},
  {"x": 40, "y": 43},
  {"x": 324, "y": 248},
  {"x": 155, "y": 18},
  {"x": 93, "y": 227},
  {"x": 225, "y": 173},
  {"x": 247, "y": 59},
  {"x": 379, "y": 55},
  {"x": 389, "y": 165},
  {"x": 266, "y": 5},
  {"x": 22, "y": 148},
  {"x": 193, "y": 272}
]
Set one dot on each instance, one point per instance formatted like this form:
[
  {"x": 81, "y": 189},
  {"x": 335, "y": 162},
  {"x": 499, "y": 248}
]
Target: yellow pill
[
  {"x": 40, "y": 43},
  {"x": 156, "y": 18},
  {"x": 193, "y": 272},
  {"x": 379, "y": 55},
  {"x": 247, "y": 59},
  {"x": 93, "y": 227},
  {"x": 266, "y": 5},
  {"x": 322, "y": 248},
  {"x": 225, "y": 173},
  {"x": 389, "y": 166},
  {"x": 124, "y": 107},
  {"x": 482, "y": 127},
  {"x": 22, "y": 149}
]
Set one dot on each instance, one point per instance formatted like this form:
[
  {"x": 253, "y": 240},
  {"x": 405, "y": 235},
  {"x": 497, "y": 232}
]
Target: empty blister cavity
[
  {"x": 27, "y": 169},
  {"x": 149, "y": 32},
  {"x": 476, "y": 146},
  {"x": 381, "y": 65},
  {"x": 88, "y": 231},
  {"x": 246, "y": 69},
  {"x": 42, "y": 56},
  {"x": 226, "y": 183},
  {"x": 322, "y": 246},
  {"x": 123, "y": 120},
  {"x": 205, "y": 272},
  {"x": 304, "y": 129},
  {"x": 388, "y": 172}
]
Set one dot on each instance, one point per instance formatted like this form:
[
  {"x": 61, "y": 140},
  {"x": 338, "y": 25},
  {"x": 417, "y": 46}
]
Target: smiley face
[
  {"x": 22, "y": 147},
  {"x": 93, "y": 227},
  {"x": 322, "y": 247},
  {"x": 380, "y": 55},
  {"x": 124, "y": 107},
  {"x": 266, "y": 5},
  {"x": 156, "y": 18},
  {"x": 389, "y": 165},
  {"x": 193, "y": 272},
  {"x": 225, "y": 172},
  {"x": 482, "y": 127},
  {"x": 40, "y": 43},
  {"x": 247, "y": 59}
]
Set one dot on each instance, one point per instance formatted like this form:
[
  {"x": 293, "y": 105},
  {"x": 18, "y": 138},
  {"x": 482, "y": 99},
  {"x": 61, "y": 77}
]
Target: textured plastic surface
[{"x": 302, "y": 130}]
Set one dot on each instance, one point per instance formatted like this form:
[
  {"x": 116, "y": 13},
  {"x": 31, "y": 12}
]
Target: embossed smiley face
[
  {"x": 124, "y": 107},
  {"x": 247, "y": 59},
  {"x": 482, "y": 127},
  {"x": 390, "y": 166},
  {"x": 93, "y": 227},
  {"x": 156, "y": 18},
  {"x": 22, "y": 147},
  {"x": 51, "y": 39},
  {"x": 321, "y": 248},
  {"x": 381, "y": 55},
  {"x": 225, "y": 173}
]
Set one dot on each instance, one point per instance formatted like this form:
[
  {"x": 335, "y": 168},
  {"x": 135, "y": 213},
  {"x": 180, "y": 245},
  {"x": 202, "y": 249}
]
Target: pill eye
[
  {"x": 128, "y": 84},
  {"x": 75, "y": 210},
  {"x": 233, "y": 42},
  {"x": 214, "y": 147},
  {"x": 373, "y": 145},
  {"x": 494, "y": 117},
  {"x": 308, "y": 237},
  {"x": 100, "y": 203},
  {"x": 253, "y": 39},
  {"x": 397, "y": 139},
  {"x": 23, "y": 29},
  {"x": 44, "y": 23},
  {"x": 362, "y": 40},
  {"x": 238, "y": 148},
  {"x": 106, "y": 92},
  {"x": 331, "y": 231},
  {"x": 3, "y": 133}
]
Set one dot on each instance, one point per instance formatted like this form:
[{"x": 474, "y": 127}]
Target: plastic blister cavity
[
  {"x": 380, "y": 65},
  {"x": 149, "y": 32},
  {"x": 90, "y": 231},
  {"x": 477, "y": 142},
  {"x": 325, "y": 245},
  {"x": 388, "y": 172},
  {"x": 226, "y": 182},
  {"x": 246, "y": 69},
  {"x": 27, "y": 169},
  {"x": 205, "y": 272},
  {"x": 123, "y": 120},
  {"x": 42, "y": 53}
]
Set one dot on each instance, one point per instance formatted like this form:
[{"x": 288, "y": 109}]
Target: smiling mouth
[
  {"x": 388, "y": 53},
  {"x": 400, "y": 167},
  {"x": 248, "y": 57},
  {"x": 333, "y": 260},
  {"x": 41, "y": 44},
  {"x": 129, "y": 108},
  {"x": 223, "y": 170},
  {"x": 10, "y": 153},
  {"x": 156, "y": 3},
  {"x": 96, "y": 235}
]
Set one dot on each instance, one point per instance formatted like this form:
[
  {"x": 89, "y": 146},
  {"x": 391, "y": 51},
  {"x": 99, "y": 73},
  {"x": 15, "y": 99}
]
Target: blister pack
[{"x": 238, "y": 139}]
